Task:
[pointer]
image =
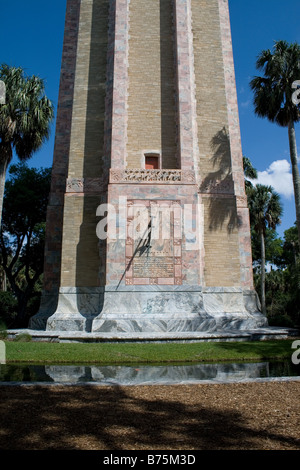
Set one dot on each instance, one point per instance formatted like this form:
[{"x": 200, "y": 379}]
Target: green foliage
[
  {"x": 290, "y": 249},
  {"x": 26, "y": 115},
  {"x": 265, "y": 208},
  {"x": 284, "y": 289},
  {"x": 8, "y": 309},
  {"x": 265, "y": 212},
  {"x": 273, "y": 98},
  {"x": 3, "y": 332},
  {"x": 23, "y": 338},
  {"x": 26, "y": 199},
  {"x": 273, "y": 91},
  {"x": 282, "y": 256},
  {"x": 283, "y": 284},
  {"x": 273, "y": 247},
  {"x": 250, "y": 173},
  {"x": 22, "y": 237}
]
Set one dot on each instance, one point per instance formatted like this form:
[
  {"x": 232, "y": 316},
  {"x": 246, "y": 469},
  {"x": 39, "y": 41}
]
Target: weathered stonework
[
  {"x": 152, "y": 176},
  {"x": 142, "y": 79},
  {"x": 52, "y": 260}
]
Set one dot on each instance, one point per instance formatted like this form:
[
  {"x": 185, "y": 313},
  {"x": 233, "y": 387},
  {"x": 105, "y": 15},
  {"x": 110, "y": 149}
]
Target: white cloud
[
  {"x": 279, "y": 176},
  {"x": 245, "y": 104}
]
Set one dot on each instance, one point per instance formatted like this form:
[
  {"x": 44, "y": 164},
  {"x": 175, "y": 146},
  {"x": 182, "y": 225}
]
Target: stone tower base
[{"x": 152, "y": 309}]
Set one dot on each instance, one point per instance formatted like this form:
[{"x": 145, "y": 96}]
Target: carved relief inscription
[
  {"x": 153, "y": 255},
  {"x": 153, "y": 267}
]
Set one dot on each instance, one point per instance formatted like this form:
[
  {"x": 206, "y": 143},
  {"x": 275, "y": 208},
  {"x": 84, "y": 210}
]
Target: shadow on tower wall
[
  {"x": 218, "y": 183},
  {"x": 168, "y": 86},
  {"x": 91, "y": 252}
]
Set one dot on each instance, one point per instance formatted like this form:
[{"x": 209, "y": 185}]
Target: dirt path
[{"x": 263, "y": 416}]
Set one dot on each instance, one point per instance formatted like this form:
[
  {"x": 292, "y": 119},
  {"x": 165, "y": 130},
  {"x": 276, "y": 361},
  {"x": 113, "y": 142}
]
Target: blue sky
[
  {"x": 255, "y": 25},
  {"x": 31, "y": 36}
]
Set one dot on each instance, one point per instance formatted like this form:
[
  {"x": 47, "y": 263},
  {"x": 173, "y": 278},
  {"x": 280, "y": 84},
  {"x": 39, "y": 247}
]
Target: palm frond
[
  {"x": 25, "y": 119},
  {"x": 273, "y": 91}
]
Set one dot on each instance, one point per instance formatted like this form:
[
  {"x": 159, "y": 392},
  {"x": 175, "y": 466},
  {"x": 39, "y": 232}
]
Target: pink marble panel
[
  {"x": 185, "y": 84},
  {"x": 120, "y": 84},
  {"x": 236, "y": 147}
]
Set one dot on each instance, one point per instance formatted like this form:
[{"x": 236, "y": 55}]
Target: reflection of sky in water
[{"x": 145, "y": 374}]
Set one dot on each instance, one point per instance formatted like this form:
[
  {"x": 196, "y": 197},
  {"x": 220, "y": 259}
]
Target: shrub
[
  {"x": 8, "y": 308},
  {"x": 23, "y": 338},
  {"x": 3, "y": 332}
]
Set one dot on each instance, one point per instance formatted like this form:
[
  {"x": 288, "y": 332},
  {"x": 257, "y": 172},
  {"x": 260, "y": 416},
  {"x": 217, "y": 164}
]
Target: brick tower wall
[
  {"x": 83, "y": 143},
  {"x": 221, "y": 241},
  {"x": 145, "y": 77},
  {"x": 151, "y": 91},
  {"x": 81, "y": 262}
]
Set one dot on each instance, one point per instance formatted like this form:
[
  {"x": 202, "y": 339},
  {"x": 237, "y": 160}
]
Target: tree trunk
[
  {"x": 20, "y": 320},
  {"x": 3, "y": 168},
  {"x": 295, "y": 170},
  {"x": 263, "y": 273}
]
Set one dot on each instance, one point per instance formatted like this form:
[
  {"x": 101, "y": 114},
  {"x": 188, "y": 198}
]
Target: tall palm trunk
[
  {"x": 263, "y": 273},
  {"x": 6, "y": 155},
  {"x": 295, "y": 170}
]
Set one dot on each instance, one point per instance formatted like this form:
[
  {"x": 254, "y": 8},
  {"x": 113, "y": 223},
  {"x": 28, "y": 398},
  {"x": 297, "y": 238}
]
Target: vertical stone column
[
  {"x": 116, "y": 125},
  {"x": 236, "y": 148},
  {"x": 186, "y": 102},
  {"x": 55, "y": 211},
  {"x": 120, "y": 10},
  {"x": 187, "y": 108}
]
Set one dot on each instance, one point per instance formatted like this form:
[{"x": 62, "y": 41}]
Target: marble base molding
[{"x": 152, "y": 309}]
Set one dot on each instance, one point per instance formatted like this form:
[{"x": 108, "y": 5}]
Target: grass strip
[{"x": 137, "y": 353}]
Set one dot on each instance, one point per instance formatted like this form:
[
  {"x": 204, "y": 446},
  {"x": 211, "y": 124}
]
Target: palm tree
[
  {"x": 249, "y": 172},
  {"x": 25, "y": 118},
  {"x": 273, "y": 98},
  {"x": 265, "y": 211}
]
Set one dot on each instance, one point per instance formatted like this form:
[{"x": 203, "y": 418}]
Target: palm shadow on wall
[{"x": 219, "y": 184}]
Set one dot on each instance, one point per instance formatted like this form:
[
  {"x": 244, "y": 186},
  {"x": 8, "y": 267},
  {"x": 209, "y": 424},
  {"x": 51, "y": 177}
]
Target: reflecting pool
[{"x": 146, "y": 374}]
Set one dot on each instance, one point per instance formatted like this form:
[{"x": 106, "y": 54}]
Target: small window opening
[{"x": 152, "y": 162}]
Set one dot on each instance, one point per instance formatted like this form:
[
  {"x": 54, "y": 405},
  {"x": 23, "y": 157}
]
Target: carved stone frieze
[
  {"x": 152, "y": 176},
  {"x": 86, "y": 185}
]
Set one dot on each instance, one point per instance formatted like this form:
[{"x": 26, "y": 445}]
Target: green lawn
[{"x": 129, "y": 353}]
